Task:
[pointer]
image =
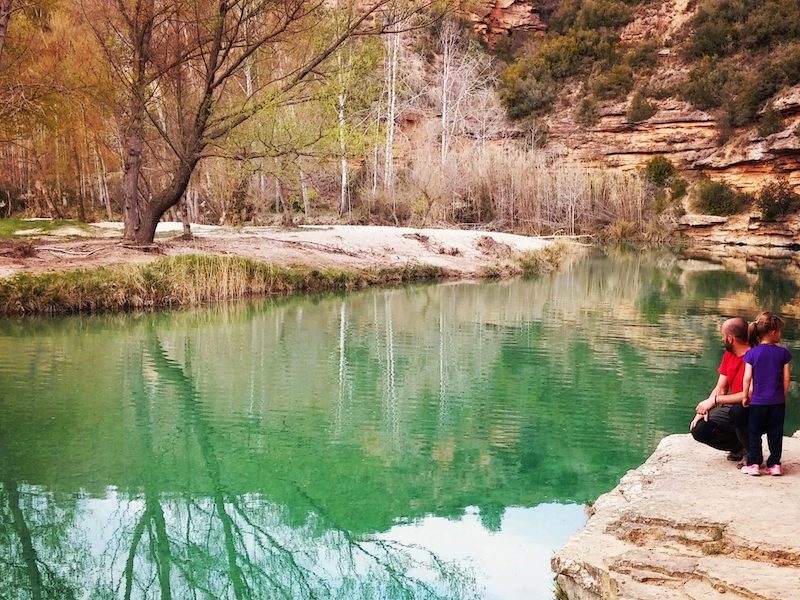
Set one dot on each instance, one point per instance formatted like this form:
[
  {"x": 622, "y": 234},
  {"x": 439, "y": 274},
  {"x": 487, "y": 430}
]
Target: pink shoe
[
  {"x": 774, "y": 470},
  {"x": 751, "y": 470}
]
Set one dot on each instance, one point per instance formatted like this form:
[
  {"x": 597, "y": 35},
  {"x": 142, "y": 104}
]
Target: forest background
[{"x": 392, "y": 112}]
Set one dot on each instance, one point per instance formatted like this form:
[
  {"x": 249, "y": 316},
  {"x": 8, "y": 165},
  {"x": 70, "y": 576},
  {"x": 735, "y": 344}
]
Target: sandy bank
[{"x": 460, "y": 253}]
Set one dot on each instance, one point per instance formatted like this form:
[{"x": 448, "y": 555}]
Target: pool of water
[{"x": 435, "y": 441}]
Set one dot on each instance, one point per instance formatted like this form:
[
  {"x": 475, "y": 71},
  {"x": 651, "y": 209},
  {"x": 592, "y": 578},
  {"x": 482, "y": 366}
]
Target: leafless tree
[
  {"x": 5, "y": 17},
  {"x": 185, "y": 57}
]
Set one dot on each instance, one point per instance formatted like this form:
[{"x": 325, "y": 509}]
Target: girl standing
[{"x": 767, "y": 366}]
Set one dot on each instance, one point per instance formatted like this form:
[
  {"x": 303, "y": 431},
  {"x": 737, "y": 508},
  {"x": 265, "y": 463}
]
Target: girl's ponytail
[
  {"x": 752, "y": 334},
  {"x": 764, "y": 324}
]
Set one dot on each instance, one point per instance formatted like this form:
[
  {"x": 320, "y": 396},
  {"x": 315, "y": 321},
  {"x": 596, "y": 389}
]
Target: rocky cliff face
[
  {"x": 687, "y": 525},
  {"x": 494, "y": 19},
  {"x": 744, "y": 234},
  {"x": 678, "y": 131}
]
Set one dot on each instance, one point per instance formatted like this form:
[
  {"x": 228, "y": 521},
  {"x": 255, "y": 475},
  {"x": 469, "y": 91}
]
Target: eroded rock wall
[
  {"x": 494, "y": 19},
  {"x": 687, "y": 136}
]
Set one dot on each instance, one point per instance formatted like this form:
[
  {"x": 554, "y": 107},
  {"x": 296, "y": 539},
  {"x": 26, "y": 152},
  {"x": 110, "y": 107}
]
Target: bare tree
[
  {"x": 463, "y": 74},
  {"x": 190, "y": 54},
  {"x": 5, "y": 17}
]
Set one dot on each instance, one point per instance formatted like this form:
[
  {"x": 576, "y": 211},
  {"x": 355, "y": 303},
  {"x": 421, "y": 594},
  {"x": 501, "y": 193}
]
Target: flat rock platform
[{"x": 687, "y": 525}]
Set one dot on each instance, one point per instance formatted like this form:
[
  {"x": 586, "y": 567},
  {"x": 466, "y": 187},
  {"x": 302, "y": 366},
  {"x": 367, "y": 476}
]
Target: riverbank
[
  {"x": 93, "y": 271},
  {"x": 688, "y": 525}
]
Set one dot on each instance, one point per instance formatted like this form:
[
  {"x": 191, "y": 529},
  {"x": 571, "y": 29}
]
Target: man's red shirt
[{"x": 732, "y": 367}]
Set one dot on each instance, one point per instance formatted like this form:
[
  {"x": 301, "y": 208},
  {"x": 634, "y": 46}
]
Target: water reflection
[{"x": 369, "y": 445}]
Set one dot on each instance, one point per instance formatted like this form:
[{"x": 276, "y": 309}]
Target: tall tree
[
  {"x": 5, "y": 17},
  {"x": 177, "y": 63}
]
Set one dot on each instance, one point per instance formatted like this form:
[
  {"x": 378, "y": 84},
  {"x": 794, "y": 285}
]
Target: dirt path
[{"x": 458, "y": 252}]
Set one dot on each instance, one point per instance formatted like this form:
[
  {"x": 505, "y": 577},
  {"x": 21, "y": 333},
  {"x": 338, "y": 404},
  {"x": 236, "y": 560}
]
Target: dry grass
[
  {"x": 184, "y": 281},
  {"x": 192, "y": 280}
]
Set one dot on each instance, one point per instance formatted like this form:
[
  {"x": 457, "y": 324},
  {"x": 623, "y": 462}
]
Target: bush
[
  {"x": 659, "y": 170},
  {"x": 524, "y": 92},
  {"x": 643, "y": 56},
  {"x": 640, "y": 109},
  {"x": 596, "y": 14},
  {"x": 770, "y": 23},
  {"x": 777, "y": 199},
  {"x": 612, "y": 83},
  {"x": 587, "y": 115},
  {"x": 718, "y": 198},
  {"x": 704, "y": 84},
  {"x": 678, "y": 188},
  {"x": 590, "y": 14},
  {"x": 770, "y": 122},
  {"x": 716, "y": 26}
]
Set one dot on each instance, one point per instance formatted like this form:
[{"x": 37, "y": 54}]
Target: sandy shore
[{"x": 461, "y": 253}]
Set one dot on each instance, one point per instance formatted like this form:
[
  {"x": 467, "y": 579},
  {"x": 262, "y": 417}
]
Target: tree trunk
[
  {"x": 344, "y": 196},
  {"x": 29, "y": 555},
  {"x": 138, "y": 223},
  {"x": 5, "y": 17}
]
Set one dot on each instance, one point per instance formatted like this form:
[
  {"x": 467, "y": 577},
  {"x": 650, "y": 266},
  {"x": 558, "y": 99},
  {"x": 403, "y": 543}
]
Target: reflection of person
[
  {"x": 721, "y": 419},
  {"x": 767, "y": 366}
]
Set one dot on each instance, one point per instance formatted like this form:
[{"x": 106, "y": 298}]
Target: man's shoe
[
  {"x": 774, "y": 470},
  {"x": 751, "y": 470}
]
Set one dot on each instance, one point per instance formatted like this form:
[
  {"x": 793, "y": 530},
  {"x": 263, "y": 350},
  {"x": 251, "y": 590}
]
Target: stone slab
[{"x": 688, "y": 525}]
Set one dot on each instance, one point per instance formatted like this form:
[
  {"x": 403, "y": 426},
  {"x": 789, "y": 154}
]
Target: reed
[{"x": 189, "y": 280}]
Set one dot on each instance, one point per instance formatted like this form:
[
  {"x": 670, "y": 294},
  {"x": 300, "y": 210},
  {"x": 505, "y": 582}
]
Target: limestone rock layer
[{"x": 687, "y": 525}]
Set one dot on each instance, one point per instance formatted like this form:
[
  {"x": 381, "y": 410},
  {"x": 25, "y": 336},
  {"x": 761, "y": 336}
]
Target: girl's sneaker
[
  {"x": 752, "y": 469},
  {"x": 774, "y": 470}
]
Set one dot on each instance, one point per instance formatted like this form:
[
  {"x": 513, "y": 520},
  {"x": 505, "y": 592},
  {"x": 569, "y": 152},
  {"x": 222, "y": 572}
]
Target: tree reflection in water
[{"x": 165, "y": 544}]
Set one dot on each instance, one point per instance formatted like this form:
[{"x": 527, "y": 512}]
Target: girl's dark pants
[{"x": 767, "y": 418}]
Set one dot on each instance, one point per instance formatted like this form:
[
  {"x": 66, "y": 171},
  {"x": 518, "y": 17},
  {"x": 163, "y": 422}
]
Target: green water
[{"x": 424, "y": 442}]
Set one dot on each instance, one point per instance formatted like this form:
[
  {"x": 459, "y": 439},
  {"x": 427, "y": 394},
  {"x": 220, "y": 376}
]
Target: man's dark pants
[{"x": 726, "y": 428}]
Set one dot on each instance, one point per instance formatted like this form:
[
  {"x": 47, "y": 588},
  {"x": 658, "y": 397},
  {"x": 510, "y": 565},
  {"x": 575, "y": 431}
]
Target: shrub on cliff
[
  {"x": 591, "y": 14},
  {"x": 640, "y": 109},
  {"x": 659, "y": 171},
  {"x": 587, "y": 115},
  {"x": 718, "y": 198},
  {"x": 612, "y": 83},
  {"x": 704, "y": 84},
  {"x": 770, "y": 122},
  {"x": 776, "y": 200}
]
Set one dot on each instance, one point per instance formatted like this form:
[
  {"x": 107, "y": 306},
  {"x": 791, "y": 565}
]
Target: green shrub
[
  {"x": 771, "y": 22},
  {"x": 528, "y": 86},
  {"x": 640, "y": 109},
  {"x": 777, "y": 199},
  {"x": 716, "y": 27},
  {"x": 704, "y": 84},
  {"x": 590, "y": 14},
  {"x": 587, "y": 115},
  {"x": 643, "y": 56},
  {"x": 659, "y": 171},
  {"x": 523, "y": 93},
  {"x": 749, "y": 94},
  {"x": 715, "y": 39},
  {"x": 612, "y": 83},
  {"x": 659, "y": 92},
  {"x": 717, "y": 198},
  {"x": 596, "y": 14},
  {"x": 678, "y": 188},
  {"x": 770, "y": 122}
]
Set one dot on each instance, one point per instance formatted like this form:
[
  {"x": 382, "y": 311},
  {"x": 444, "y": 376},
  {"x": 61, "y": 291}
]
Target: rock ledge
[{"x": 687, "y": 525}]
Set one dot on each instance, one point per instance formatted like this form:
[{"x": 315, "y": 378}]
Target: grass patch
[
  {"x": 9, "y": 227},
  {"x": 539, "y": 262},
  {"x": 190, "y": 280}
]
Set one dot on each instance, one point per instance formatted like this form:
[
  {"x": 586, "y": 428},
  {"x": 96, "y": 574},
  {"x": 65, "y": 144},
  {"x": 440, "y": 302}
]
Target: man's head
[{"x": 734, "y": 330}]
